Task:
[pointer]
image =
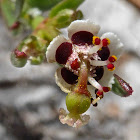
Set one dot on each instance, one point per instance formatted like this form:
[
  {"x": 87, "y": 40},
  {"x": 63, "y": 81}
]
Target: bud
[
  {"x": 78, "y": 14},
  {"x": 18, "y": 61},
  {"x": 63, "y": 18}
]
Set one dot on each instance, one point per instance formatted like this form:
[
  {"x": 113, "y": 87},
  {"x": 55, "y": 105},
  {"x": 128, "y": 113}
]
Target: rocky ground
[{"x": 30, "y": 99}]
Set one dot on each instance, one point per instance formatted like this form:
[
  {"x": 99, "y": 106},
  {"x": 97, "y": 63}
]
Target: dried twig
[{"x": 136, "y": 2}]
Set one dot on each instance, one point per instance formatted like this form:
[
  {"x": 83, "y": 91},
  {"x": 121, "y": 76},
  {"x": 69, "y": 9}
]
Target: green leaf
[
  {"x": 43, "y": 4},
  {"x": 120, "y": 87},
  {"x": 78, "y": 14},
  {"x": 63, "y": 18},
  {"x": 36, "y": 21},
  {"x": 18, "y": 8},
  {"x": 7, "y": 8},
  {"x": 65, "y": 4},
  {"x": 37, "y": 60}
]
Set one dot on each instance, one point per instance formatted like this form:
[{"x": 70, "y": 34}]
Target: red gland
[
  {"x": 106, "y": 89},
  {"x": 99, "y": 93},
  {"x": 105, "y": 42},
  {"x": 97, "y": 41},
  {"x": 112, "y": 59},
  {"x": 110, "y": 66},
  {"x": 20, "y": 54},
  {"x": 75, "y": 64},
  {"x": 15, "y": 25}
]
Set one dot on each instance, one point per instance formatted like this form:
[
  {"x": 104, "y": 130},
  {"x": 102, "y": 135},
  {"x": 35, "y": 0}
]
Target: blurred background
[{"x": 30, "y": 99}]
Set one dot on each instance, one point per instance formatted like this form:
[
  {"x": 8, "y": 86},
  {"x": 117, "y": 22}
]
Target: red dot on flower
[
  {"x": 105, "y": 42},
  {"x": 75, "y": 64},
  {"x": 106, "y": 89},
  {"x": 110, "y": 66},
  {"x": 112, "y": 58}
]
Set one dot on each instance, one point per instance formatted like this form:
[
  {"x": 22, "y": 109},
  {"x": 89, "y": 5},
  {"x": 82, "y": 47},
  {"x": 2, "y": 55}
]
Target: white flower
[
  {"x": 84, "y": 57},
  {"x": 83, "y": 40}
]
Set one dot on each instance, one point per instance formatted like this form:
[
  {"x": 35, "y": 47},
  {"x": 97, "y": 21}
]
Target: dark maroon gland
[
  {"x": 124, "y": 85},
  {"x": 104, "y": 53},
  {"x": 82, "y": 37},
  {"x": 69, "y": 76},
  {"x": 99, "y": 73},
  {"x": 63, "y": 52}
]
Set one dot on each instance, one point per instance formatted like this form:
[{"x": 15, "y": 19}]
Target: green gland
[{"x": 77, "y": 103}]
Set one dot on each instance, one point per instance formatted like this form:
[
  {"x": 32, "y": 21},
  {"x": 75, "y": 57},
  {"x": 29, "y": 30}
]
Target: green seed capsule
[{"x": 77, "y": 103}]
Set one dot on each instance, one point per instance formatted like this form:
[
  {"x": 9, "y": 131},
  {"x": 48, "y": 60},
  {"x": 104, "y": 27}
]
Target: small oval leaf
[{"x": 121, "y": 87}]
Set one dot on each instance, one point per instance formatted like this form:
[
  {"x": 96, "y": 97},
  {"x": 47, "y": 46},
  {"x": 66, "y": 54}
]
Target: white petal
[
  {"x": 105, "y": 81},
  {"x": 115, "y": 46},
  {"x": 61, "y": 82},
  {"x": 51, "y": 50},
  {"x": 83, "y": 25},
  {"x": 91, "y": 89}
]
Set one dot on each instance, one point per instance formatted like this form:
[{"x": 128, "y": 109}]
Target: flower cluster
[{"x": 86, "y": 64}]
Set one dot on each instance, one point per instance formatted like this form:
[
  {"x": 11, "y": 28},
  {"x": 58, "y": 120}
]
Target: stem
[{"x": 81, "y": 87}]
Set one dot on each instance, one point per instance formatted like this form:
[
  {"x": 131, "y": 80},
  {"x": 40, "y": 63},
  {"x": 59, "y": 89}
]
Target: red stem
[{"x": 81, "y": 87}]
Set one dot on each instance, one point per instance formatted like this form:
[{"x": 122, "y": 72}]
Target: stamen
[
  {"x": 112, "y": 58},
  {"x": 98, "y": 63},
  {"x": 105, "y": 42},
  {"x": 92, "y": 103},
  {"x": 94, "y": 83},
  {"x": 110, "y": 67},
  {"x": 95, "y": 48},
  {"x": 106, "y": 89},
  {"x": 95, "y": 100},
  {"x": 99, "y": 93},
  {"x": 96, "y": 40}
]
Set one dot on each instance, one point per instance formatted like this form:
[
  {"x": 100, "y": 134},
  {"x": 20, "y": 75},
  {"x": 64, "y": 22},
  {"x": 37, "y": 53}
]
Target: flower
[
  {"x": 75, "y": 121},
  {"x": 84, "y": 57}
]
